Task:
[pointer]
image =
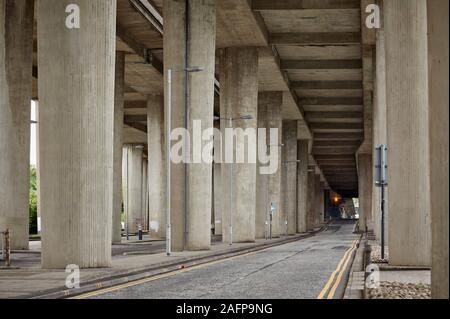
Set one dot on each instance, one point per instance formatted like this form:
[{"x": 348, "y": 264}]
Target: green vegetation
[{"x": 33, "y": 200}]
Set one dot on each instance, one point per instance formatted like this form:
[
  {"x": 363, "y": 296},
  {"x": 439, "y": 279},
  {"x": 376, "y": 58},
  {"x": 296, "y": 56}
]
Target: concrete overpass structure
[{"x": 333, "y": 87}]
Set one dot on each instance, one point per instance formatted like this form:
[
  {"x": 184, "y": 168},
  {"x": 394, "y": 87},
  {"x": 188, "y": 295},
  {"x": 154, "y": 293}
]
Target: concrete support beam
[
  {"x": 132, "y": 187},
  {"x": 119, "y": 88},
  {"x": 189, "y": 41},
  {"x": 438, "y": 120},
  {"x": 76, "y": 95},
  {"x": 302, "y": 185},
  {"x": 311, "y": 197},
  {"x": 315, "y": 38},
  {"x": 16, "y": 49},
  {"x": 320, "y": 64},
  {"x": 318, "y": 198},
  {"x": 290, "y": 167},
  {"x": 156, "y": 166},
  {"x": 407, "y": 101},
  {"x": 365, "y": 181},
  {"x": 238, "y": 97},
  {"x": 264, "y": 5}
]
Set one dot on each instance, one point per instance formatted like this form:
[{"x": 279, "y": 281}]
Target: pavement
[
  {"x": 313, "y": 267},
  {"x": 131, "y": 260}
]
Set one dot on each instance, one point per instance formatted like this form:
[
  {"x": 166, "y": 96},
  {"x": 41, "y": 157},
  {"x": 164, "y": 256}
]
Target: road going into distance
[{"x": 315, "y": 267}]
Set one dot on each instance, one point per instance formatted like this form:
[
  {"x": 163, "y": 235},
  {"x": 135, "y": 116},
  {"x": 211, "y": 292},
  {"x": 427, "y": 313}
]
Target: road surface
[{"x": 310, "y": 268}]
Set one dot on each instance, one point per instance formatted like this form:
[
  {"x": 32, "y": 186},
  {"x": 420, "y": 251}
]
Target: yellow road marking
[
  {"x": 156, "y": 277},
  {"x": 339, "y": 278},
  {"x": 331, "y": 279}
]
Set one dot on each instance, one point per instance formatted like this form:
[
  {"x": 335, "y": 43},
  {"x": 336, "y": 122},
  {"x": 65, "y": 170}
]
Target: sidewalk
[{"x": 131, "y": 260}]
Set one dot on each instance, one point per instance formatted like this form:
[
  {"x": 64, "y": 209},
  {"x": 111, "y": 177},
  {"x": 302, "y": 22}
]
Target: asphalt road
[{"x": 299, "y": 269}]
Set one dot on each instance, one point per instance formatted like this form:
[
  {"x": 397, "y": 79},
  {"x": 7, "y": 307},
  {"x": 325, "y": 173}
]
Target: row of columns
[{"x": 410, "y": 116}]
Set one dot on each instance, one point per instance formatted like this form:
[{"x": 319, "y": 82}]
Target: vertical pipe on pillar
[
  {"x": 262, "y": 203},
  {"x": 76, "y": 94},
  {"x": 16, "y": 52},
  {"x": 119, "y": 86},
  {"x": 407, "y": 132},
  {"x": 437, "y": 11},
  {"x": 302, "y": 185},
  {"x": 156, "y": 166},
  {"x": 144, "y": 194},
  {"x": 238, "y": 97}
]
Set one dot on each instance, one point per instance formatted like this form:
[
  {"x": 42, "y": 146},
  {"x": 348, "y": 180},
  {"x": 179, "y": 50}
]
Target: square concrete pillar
[
  {"x": 239, "y": 97},
  {"x": 16, "y": 56},
  {"x": 290, "y": 181},
  {"x": 76, "y": 98},
  {"x": 318, "y": 198},
  {"x": 189, "y": 41},
  {"x": 407, "y": 132},
  {"x": 437, "y": 16},
  {"x": 311, "y": 197},
  {"x": 157, "y": 173},
  {"x": 302, "y": 185},
  {"x": 119, "y": 88},
  {"x": 365, "y": 181}
]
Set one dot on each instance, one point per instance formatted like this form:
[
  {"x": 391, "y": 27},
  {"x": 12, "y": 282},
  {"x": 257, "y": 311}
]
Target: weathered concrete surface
[
  {"x": 238, "y": 97},
  {"x": 290, "y": 147},
  {"x": 144, "y": 194},
  {"x": 192, "y": 183},
  {"x": 16, "y": 47},
  {"x": 201, "y": 48},
  {"x": 318, "y": 198},
  {"x": 302, "y": 185},
  {"x": 119, "y": 90},
  {"x": 311, "y": 197},
  {"x": 407, "y": 132},
  {"x": 76, "y": 95},
  {"x": 438, "y": 120},
  {"x": 365, "y": 181},
  {"x": 132, "y": 187},
  {"x": 157, "y": 174}
]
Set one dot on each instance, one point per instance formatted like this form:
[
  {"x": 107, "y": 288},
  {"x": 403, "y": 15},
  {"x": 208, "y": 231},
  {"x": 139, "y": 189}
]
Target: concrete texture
[
  {"x": 379, "y": 130},
  {"x": 262, "y": 212},
  {"x": 365, "y": 181},
  {"x": 290, "y": 146},
  {"x": 144, "y": 194},
  {"x": 407, "y": 132},
  {"x": 302, "y": 185},
  {"x": 76, "y": 95},
  {"x": 238, "y": 97},
  {"x": 311, "y": 197},
  {"x": 438, "y": 122},
  {"x": 157, "y": 174},
  {"x": 16, "y": 49},
  {"x": 119, "y": 91},
  {"x": 132, "y": 187},
  {"x": 318, "y": 198},
  {"x": 201, "y": 52}
]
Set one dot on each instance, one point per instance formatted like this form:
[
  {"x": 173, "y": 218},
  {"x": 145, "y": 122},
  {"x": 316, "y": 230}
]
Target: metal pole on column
[
  {"x": 128, "y": 195},
  {"x": 168, "y": 125},
  {"x": 231, "y": 191}
]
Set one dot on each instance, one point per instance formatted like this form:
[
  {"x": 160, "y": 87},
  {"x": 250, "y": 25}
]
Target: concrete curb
[
  {"x": 353, "y": 289},
  {"x": 161, "y": 268}
]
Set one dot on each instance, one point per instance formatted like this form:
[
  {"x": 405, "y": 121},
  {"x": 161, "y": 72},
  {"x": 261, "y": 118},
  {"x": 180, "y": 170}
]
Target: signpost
[{"x": 381, "y": 181}]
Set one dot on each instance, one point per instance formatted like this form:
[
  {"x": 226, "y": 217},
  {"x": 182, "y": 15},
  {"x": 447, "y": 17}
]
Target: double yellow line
[{"x": 337, "y": 273}]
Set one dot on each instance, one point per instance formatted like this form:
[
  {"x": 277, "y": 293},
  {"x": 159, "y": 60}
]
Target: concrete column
[
  {"x": 191, "y": 185},
  {"x": 317, "y": 200},
  {"x": 438, "y": 121},
  {"x": 119, "y": 88},
  {"x": 262, "y": 213},
  {"x": 407, "y": 132},
  {"x": 365, "y": 181},
  {"x": 379, "y": 127},
  {"x": 144, "y": 194},
  {"x": 16, "y": 51},
  {"x": 322, "y": 202},
  {"x": 156, "y": 166},
  {"x": 302, "y": 185},
  {"x": 76, "y": 95},
  {"x": 238, "y": 97},
  {"x": 311, "y": 197},
  {"x": 290, "y": 193},
  {"x": 132, "y": 187},
  {"x": 218, "y": 198}
]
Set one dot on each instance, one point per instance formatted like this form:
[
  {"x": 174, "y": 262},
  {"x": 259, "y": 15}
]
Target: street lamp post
[
  {"x": 230, "y": 123},
  {"x": 168, "y": 154}
]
